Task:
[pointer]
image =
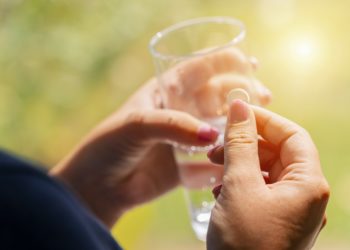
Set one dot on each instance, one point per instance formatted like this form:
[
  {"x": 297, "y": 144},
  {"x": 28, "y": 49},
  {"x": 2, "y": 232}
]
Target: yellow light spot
[{"x": 304, "y": 49}]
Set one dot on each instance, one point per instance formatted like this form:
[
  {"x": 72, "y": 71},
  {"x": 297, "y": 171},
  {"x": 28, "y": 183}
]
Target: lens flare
[{"x": 304, "y": 49}]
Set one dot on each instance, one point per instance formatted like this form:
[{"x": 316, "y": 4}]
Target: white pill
[{"x": 238, "y": 93}]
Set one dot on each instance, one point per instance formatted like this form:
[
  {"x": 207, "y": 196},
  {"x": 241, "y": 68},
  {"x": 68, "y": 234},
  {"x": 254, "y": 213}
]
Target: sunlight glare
[{"x": 304, "y": 50}]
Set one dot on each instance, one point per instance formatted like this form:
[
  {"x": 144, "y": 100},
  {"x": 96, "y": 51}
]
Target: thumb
[
  {"x": 169, "y": 125},
  {"x": 241, "y": 146}
]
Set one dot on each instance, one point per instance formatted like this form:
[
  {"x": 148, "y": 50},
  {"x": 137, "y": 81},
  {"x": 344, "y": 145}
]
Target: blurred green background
[{"x": 65, "y": 65}]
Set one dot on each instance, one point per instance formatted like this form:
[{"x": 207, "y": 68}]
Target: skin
[
  {"x": 125, "y": 161},
  {"x": 287, "y": 212}
]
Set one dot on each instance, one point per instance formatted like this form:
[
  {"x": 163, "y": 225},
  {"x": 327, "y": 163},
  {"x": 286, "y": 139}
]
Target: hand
[
  {"x": 288, "y": 211},
  {"x": 125, "y": 161},
  {"x": 211, "y": 78}
]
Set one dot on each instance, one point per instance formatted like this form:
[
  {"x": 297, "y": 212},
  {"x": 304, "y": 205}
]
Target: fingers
[
  {"x": 216, "y": 155},
  {"x": 294, "y": 142},
  {"x": 168, "y": 125},
  {"x": 254, "y": 62},
  {"x": 211, "y": 77},
  {"x": 241, "y": 146},
  {"x": 216, "y": 91},
  {"x": 193, "y": 73},
  {"x": 267, "y": 154},
  {"x": 258, "y": 93},
  {"x": 262, "y": 95},
  {"x": 324, "y": 221},
  {"x": 284, "y": 143}
]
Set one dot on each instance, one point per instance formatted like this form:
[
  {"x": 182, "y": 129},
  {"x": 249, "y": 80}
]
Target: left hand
[{"x": 124, "y": 161}]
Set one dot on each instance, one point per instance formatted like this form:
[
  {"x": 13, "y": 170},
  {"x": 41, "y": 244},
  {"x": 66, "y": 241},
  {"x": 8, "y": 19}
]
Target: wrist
[{"x": 92, "y": 192}]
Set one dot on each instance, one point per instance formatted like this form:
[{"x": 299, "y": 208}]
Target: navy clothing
[{"x": 38, "y": 212}]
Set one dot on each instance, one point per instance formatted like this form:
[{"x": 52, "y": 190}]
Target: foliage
[{"x": 64, "y": 65}]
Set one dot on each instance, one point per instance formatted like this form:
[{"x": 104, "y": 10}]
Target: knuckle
[
  {"x": 234, "y": 52},
  {"x": 180, "y": 120},
  {"x": 324, "y": 221},
  {"x": 303, "y": 132},
  {"x": 134, "y": 123},
  {"x": 292, "y": 128},
  {"x": 186, "y": 116},
  {"x": 321, "y": 191},
  {"x": 324, "y": 190},
  {"x": 172, "y": 120},
  {"x": 135, "y": 117},
  {"x": 228, "y": 182},
  {"x": 240, "y": 137}
]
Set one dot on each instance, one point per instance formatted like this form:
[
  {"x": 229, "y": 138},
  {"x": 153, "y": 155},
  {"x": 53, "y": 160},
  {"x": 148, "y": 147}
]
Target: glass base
[{"x": 200, "y": 218}]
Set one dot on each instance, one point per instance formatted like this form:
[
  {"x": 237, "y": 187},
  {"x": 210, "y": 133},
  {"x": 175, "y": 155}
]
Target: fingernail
[
  {"x": 211, "y": 151},
  {"x": 207, "y": 133},
  {"x": 216, "y": 191},
  {"x": 239, "y": 112}
]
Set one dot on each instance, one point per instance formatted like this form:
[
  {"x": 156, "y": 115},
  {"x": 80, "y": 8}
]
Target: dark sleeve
[{"x": 38, "y": 213}]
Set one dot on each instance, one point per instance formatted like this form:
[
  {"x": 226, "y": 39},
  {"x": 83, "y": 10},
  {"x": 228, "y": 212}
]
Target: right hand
[{"x": 286, "y": 213}]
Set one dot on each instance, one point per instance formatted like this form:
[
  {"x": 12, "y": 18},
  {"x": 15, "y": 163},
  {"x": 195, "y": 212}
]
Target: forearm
[{"x": 88, "y": 186}]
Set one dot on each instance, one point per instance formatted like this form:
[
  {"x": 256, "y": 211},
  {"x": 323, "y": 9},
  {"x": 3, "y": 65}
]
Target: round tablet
[{"x": 240, "y": 94}]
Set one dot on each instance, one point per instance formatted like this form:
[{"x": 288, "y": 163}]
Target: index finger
[{"x": 295, "y": 143}]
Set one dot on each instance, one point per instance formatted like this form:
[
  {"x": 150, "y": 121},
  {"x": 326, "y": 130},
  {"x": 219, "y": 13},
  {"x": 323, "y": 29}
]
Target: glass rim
[{"x": 192, "y": 22}]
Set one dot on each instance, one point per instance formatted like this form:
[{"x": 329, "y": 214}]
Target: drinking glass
[{"x": 184, "y": 48}]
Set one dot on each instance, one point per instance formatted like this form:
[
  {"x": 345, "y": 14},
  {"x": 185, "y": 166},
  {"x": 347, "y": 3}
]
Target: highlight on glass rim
[{"x": 174, "y": 124}]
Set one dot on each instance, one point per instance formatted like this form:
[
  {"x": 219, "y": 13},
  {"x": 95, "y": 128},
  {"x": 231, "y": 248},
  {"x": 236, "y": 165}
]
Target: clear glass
[{"x": 175, "y": 46}]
